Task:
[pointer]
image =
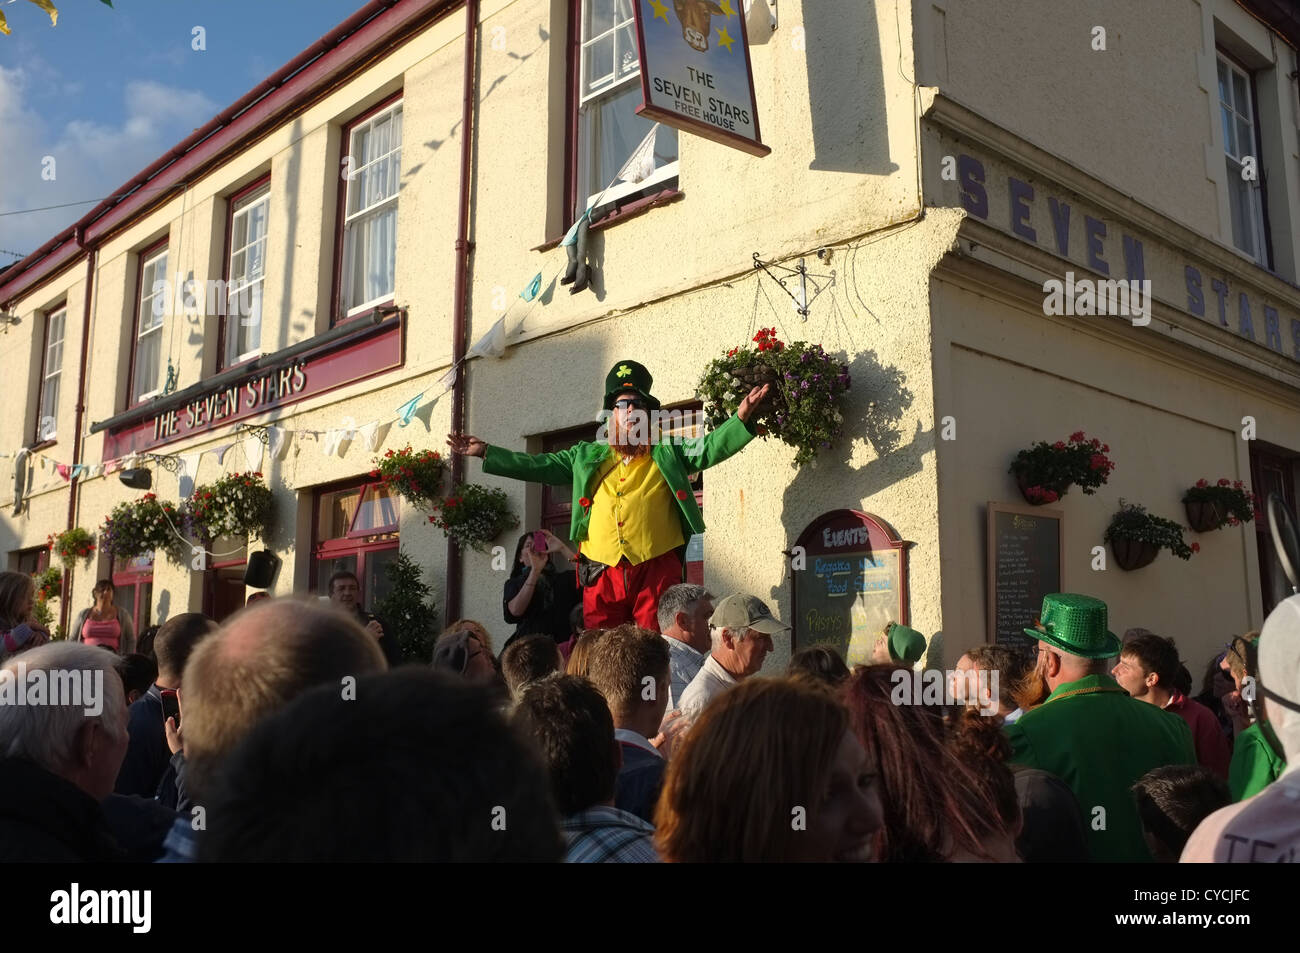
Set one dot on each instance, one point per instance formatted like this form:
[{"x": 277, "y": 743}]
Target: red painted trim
[
  {"x": 232, "y": 201},
  {"x": 375, "y": 29},
  {"x": 460, "y": 302},
  {"x": 572, "y": 102},
  {"x": 371, "y": 352},
  {"x": 336, "y": 315},
  {"x": 622, "y": 213},
  {"x": 41, "y": 372},
  {"x": 881, "y": 536}
]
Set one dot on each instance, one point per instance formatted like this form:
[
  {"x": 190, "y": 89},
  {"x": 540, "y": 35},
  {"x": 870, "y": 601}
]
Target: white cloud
[{"x": 91, "y": 157}]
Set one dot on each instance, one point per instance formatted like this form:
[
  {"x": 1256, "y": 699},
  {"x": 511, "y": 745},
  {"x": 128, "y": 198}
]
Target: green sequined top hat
[
  {"x": 906, "y": 645},
  {"x": 1075, "y": 624},
  {"x": 629, "y": 377}
]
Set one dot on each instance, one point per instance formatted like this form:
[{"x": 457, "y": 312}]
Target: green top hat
[
  {"x": 629, "y": 377},
  {"x": 906, "y": 645},
  {"x": 1075, "y": 624}
]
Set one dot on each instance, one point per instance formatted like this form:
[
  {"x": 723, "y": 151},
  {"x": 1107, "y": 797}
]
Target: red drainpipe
[
  {"x": 74, "y": 485},
  {"x": 463, "y": 248}
]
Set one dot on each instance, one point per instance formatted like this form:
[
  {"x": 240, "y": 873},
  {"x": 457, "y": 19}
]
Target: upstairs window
[
  {"x": 151, "y": 304},
  {"x": 1240, "y": 143},
  {"x": 51, "y": 374},
  {"x": 246, "y": 274},
  {"x": 374, "y": 168},
  {"x": 608, "y": 129}
]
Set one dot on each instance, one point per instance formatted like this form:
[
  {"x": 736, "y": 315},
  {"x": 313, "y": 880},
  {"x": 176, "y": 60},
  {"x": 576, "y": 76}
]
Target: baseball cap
[{"x": 743, "y": 611}]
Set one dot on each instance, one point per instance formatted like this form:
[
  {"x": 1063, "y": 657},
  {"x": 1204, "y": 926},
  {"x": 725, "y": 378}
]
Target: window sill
[
  {"x": 42, "y": 445},
  {"x": 623, "y": 213}
]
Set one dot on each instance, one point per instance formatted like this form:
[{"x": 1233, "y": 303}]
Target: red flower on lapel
[
  {"x": 681, "y": 494},
  {"x": 584, "y": 502}
]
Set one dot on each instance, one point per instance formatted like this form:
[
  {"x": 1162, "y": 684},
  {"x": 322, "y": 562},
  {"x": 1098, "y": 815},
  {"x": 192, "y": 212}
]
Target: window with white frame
[
  {"x": 1236, "y": 111},
  {"x": 609, "y": 131},
  {"x": 247, "y": 274},
  {"x": 370, "y": 210},
  {"x": 51, "y": 374},
  {"x": 152, "y": 303}
]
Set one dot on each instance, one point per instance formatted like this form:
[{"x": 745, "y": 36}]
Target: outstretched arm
[
  {"x": 727, "y": 440},
  {"x": 553, "y": 468}
]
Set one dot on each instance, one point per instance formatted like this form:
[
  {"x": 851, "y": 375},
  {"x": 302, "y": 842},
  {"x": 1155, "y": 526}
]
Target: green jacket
[
  {"x": 1099, "y": 741},
  {"x": 1255, "y": 765},
  {"x": 581, "y": 465}
]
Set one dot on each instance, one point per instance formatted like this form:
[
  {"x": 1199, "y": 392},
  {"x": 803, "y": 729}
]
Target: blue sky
[{"x": 107, "y": 91}]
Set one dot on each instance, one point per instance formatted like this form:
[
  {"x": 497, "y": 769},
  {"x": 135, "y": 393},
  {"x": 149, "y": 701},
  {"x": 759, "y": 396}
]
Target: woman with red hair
[{"x": 935, "y": 809}]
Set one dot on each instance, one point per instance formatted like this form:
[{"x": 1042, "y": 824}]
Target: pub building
[{"x": 960, "y": 169}]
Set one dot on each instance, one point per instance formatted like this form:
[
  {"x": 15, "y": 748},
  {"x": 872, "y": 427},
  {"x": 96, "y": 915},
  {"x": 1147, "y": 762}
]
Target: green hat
[
  {"x": 906, "y": 645},
  {"x": 629, "y": 377},
  {"x": 1075, "y": 624}
]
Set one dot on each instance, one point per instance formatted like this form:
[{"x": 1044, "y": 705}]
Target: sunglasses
[{"x": 630, "y": 404}]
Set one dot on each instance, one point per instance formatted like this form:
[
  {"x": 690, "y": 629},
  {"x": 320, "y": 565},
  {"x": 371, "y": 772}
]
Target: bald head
[
  {"x": 1279, "y": 672},
  {"x": 259, "y": 661}
]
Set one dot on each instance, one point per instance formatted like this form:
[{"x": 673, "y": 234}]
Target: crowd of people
[{"x": 287, "y": 733}]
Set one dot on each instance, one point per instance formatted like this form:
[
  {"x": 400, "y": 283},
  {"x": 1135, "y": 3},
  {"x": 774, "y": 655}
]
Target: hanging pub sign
[
  {"x": 852, "y": 582},
  {"x": 695, "y": 70}
]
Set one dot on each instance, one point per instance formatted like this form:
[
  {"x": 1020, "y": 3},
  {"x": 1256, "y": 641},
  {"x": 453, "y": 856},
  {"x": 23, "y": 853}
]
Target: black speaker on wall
[{"x": 261, "y": 569}]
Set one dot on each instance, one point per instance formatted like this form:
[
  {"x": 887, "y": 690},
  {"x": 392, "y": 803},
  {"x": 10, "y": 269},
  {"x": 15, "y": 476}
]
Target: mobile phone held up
[
  {"x": 171, "y": 706},
  {"x": 539, "y": 542}
]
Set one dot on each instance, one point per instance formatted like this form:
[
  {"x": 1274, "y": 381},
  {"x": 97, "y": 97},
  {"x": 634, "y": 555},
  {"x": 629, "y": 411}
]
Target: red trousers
[{"x": 626, "y": 593}]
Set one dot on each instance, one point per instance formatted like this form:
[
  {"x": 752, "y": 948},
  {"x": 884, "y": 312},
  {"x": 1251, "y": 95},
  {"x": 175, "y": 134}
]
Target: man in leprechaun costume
[
  {"x": 633, "y": 507},
  {"x": 1090, "y": 733}
]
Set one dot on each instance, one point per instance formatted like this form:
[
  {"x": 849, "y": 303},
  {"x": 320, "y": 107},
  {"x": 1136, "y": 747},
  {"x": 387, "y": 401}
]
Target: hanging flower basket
[
  {"x": 1136, "y": 537},
  {"x": 143, "y": 527},
  {"x": 803, "y": 406},
  {"x": 474, "y": 515},
  {"x": 49, "y": 584},
  {"x": 238, "y": 504},
  {"x": 1133, "y": 554},
  {"x": 71, "y": 545},
  {"x": 416, "y": 477},
  {"x": 1226, "y": 503},
  {"x": 1045, "y": 472}
]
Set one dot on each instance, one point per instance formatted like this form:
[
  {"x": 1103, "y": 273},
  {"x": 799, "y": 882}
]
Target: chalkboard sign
[
  {"x": 853, "y": 580},
  {"x": 1025, "y": 546}
]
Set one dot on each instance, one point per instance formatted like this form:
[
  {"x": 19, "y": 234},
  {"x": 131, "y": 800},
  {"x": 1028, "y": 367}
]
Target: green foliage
[
  {"x": 805, "y": 412},
  {"x": 1132, "y": 521},
  {"x": 1049, "y": 470},
  {"x": 238, "y": 504},
  {"x": 142, "y": 527},
  {"x": 416, "y": 477},
  {"x": 409, "y": 610},
  {"x": 49, "y": 584},
  {"x": 41, "y": 613},
  {"x": 474, "y": 515},
  {"x": 1234, "y": 503},
  {"x": 71, "y": 545}
]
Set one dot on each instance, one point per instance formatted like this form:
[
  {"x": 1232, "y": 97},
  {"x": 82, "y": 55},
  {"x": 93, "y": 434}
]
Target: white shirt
[
  {"x": 711, "y": 682},
  {"x": 1012, "y": 717},
  {"x": 684, "y": 663}
]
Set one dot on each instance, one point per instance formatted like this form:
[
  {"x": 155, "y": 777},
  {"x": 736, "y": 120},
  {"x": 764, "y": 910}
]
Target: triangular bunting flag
[
  {"x": 221, "y": 453},
  {"x": 534, "y": 288},
  {"x": 189, "y": 470},
  {"x": 279, "y": 438},
  {"x": 253, "y": 452},
  {"x": 407, "y": 409}
]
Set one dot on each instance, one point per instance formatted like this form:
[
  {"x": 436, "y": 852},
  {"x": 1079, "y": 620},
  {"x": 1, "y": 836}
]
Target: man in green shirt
[{"x": 1089, "y": 732}]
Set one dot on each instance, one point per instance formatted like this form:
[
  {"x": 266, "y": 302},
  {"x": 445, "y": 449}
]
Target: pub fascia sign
[
  {"x": 266, "y": 389},
  {"x": 1280, "y": 330}
]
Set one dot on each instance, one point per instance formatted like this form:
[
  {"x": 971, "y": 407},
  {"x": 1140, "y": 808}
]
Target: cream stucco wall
[
  {"x": 843, "y": 127},
  {"x": 1142, "y": 114}
]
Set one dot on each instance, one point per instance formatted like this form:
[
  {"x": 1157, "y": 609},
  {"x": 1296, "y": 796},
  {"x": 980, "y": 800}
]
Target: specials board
[
  {"x": 695, "y": 70},
  {"x": 1025, "y": 546},
  {"x": 849, "y": 572}
]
